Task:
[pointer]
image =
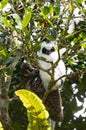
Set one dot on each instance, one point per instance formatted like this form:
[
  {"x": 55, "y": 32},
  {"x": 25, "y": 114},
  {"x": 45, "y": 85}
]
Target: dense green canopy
[{"x": 23, "y": 26}]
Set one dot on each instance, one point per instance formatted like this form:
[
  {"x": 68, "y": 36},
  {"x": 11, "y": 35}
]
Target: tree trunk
[{"x": 4, "y": 102}]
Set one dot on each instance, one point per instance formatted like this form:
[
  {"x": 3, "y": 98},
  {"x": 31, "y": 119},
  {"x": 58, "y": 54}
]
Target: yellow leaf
[
  {"x": 36, "y": 111},
  {"x": 70, "y": 7},
  {"x": 1, "y": 127}
]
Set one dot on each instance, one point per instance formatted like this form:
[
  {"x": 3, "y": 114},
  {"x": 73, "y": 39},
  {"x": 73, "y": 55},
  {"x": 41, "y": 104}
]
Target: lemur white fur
[{"x": 52, "y": 56}]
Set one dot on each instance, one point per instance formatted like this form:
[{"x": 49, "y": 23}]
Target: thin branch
[
  {"x": 60, "y": 78},
  {"x": 50, "y": 87}
]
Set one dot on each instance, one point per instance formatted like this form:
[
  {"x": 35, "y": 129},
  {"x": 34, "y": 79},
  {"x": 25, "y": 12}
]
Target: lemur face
[
  {"x": 48, "y": 52},
  {"x": 48, "y": 48}
]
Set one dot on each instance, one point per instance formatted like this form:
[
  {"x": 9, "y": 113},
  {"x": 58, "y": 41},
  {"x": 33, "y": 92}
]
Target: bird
[{"x": 48, "y": 51}]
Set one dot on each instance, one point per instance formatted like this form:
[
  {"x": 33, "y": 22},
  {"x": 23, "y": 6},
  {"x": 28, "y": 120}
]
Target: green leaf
[
  {"x": 3, "y": 3},
  {"x": 9, "y": 60},
  {"x": 37, "y": 114},
  {"x": 3, "y": 53},
  {"x": 47, "y": 10},
  {"x": 57, "y": 8},
  {"x": 53, "y": 33},
  {"x": 49, "y": 37},
  {"x": 17, "y": 19},
  {"x": 26, "y": 19},
  {"x": 79, "y": 1},
  {"x": 7, "y": 23},
  {"x": 83, "y": 45}
]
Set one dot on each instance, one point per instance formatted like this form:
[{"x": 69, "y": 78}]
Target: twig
[{"x": 50, "y": 87}]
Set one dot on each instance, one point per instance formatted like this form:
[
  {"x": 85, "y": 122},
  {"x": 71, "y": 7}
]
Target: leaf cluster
[{"x": 23, "y": 26}]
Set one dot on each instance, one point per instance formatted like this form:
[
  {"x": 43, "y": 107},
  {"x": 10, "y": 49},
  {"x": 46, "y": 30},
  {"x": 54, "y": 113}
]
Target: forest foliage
[{"x": 23, "y": 26}]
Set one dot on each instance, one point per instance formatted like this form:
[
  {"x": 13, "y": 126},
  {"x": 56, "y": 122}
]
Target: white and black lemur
[{"x": 49, "y": 52}]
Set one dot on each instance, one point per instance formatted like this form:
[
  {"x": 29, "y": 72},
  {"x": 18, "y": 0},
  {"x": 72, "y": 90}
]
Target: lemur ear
[
  {"x": 46, "y": 40},
  {"x": 55, "y": 42}
]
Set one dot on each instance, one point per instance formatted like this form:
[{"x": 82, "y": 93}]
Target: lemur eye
[
  {"x": 44, "y": 50},
  {"x": 52, "y": 49}
]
